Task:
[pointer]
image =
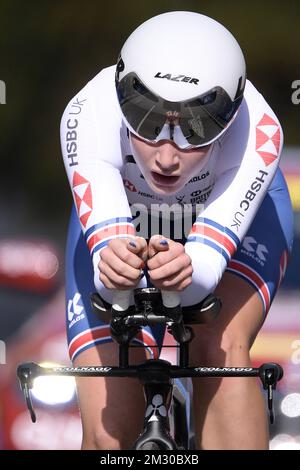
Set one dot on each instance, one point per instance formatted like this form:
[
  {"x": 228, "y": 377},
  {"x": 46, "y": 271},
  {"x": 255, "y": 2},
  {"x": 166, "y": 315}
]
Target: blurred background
[{"x": 48, "y": 51}]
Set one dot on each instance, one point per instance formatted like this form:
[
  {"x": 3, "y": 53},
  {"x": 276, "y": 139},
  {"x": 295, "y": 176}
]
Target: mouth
[{"x": 164, "y": 180}]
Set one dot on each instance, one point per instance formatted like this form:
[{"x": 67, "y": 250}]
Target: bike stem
[{"x": 158, "y": 388}]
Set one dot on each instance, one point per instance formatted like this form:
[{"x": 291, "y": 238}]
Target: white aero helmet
[{"x": 180, "y": 76}]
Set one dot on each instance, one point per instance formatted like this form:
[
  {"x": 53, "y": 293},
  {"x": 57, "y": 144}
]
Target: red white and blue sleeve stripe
[
  {"x": 214, "y": 235},
  {"x": 98, "y": 236}
]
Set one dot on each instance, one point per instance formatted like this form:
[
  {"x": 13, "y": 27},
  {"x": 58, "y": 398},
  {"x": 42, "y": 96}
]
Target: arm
[
  {"x": 92, "y": 154},
  {"x": 249, "y": 157}
]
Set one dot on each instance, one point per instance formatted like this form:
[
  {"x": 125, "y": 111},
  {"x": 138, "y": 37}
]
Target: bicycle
[{"x": 168, "y": 423}]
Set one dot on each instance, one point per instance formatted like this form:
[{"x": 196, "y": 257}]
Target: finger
[
  {"x": 177, "y": 282},
  {"x": 178, "y": 287},
  {"x": 177, "y": 278},
  {"x": 126, "y": 278},
  {"x": 109, "y": 284},
  {"x": 175, "y": 266},
  {"x": 122, "y": 252},
  {"x": 176, "y": 250},
  {"x": 117, "y": 267}
]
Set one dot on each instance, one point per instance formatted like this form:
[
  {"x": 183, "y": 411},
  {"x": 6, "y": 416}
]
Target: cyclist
[{"x": 175, "y": 133}]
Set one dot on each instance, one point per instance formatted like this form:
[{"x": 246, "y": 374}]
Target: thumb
[
  {"x": 138, "y": 245},
  {"x": 143, "y": 253},
  {"x": 157, "y": 243}
]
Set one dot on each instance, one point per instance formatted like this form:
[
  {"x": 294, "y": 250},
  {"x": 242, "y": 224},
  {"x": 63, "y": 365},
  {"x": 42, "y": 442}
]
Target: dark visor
[{"x": 201, "y": 119}]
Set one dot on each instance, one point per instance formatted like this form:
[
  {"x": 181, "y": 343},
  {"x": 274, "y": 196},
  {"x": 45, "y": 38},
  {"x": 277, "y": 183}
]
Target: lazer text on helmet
[{"x": 177, "y": 78}]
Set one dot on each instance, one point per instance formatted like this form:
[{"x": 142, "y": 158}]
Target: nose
[{"x": 167, "y": 157}]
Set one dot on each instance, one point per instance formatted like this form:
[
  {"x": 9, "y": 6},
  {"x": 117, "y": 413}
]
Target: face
[{"x": 166, "y": 167}]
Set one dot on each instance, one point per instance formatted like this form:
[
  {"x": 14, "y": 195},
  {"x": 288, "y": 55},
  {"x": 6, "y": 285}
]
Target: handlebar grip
[{"x": 170, "y": 299}]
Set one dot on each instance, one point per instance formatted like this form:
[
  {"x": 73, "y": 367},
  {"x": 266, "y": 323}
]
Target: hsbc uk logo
[
  {"x": 130, "y": 186},
  {"x": 255, "y": 250},
  {"x": 75, "y": 310},
  {"x": 83, "y": 197},
  {"x": 268, "y": 139}
]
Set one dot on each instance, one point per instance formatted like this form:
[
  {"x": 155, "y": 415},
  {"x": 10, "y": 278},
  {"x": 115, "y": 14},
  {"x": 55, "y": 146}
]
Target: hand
[
  {"x": 172, "y": 117},
  {"x": 170, "y": 268},
  {"x": 121, "y": 263}
]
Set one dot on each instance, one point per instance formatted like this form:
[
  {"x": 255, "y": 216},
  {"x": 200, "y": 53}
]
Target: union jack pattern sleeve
[
  {"x": 248, "y": 159},
  {"x": 93, "y": 161}
]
